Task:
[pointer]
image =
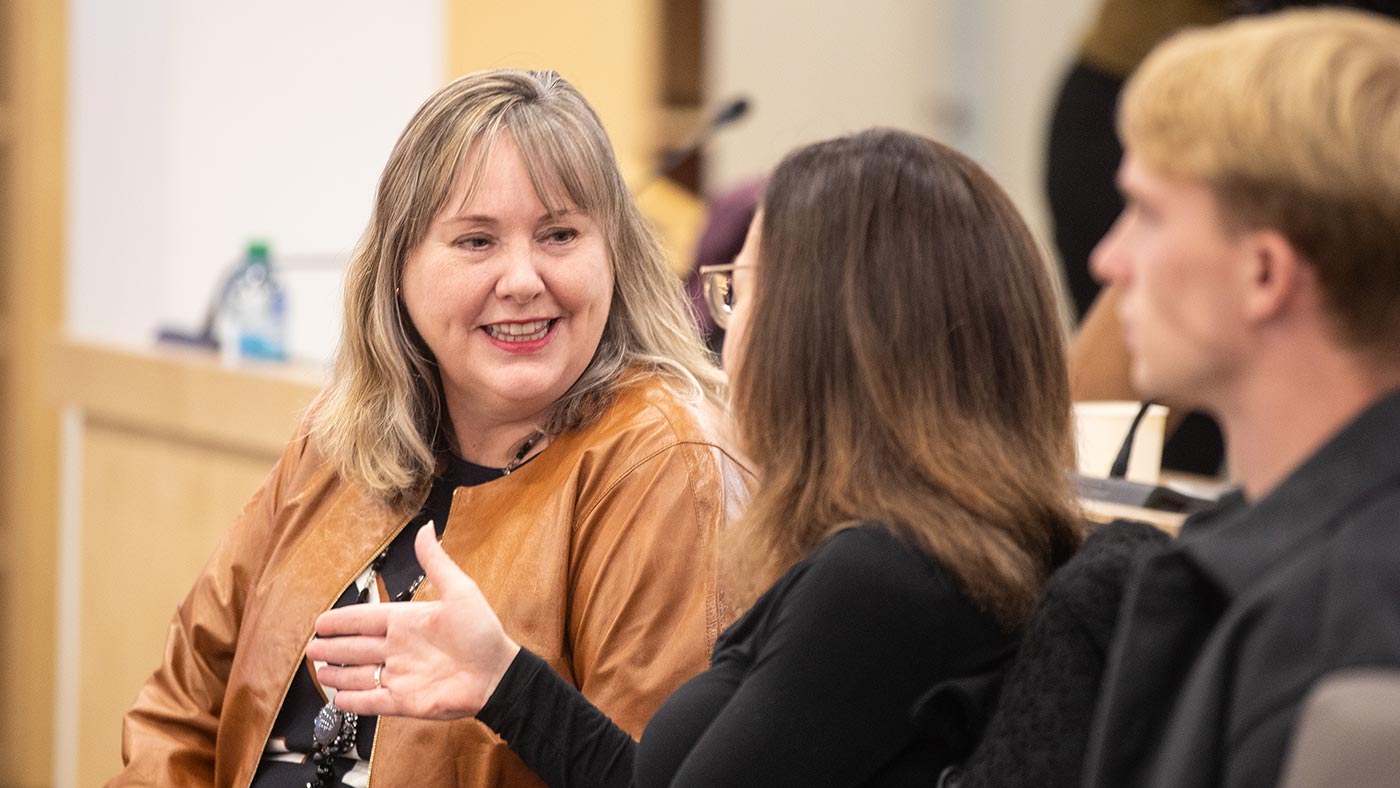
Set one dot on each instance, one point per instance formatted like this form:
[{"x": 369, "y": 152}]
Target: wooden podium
[{"x": 160, "y": 451}]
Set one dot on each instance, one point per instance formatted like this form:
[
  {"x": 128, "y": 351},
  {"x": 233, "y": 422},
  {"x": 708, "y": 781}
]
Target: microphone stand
[{"x": 732, "y": 111}]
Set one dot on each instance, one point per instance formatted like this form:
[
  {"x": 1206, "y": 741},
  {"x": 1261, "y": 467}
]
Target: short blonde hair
[
  {"x": 1294, "y": 121},
  {"x": 381, "y": 419}
]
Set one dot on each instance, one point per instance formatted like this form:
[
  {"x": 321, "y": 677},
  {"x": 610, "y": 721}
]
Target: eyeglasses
[{"x": 717, "y": 281}]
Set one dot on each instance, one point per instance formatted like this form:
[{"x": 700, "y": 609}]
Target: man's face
[{"x": 1182, "y": 274}]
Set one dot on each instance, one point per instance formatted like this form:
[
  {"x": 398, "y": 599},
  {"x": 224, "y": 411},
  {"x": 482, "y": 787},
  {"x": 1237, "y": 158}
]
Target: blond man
[{"x": 1258, "y": 261}]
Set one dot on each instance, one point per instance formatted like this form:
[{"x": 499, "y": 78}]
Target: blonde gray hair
[
  {"x": 1293, "y": 119},
  {"x": 381, "y": 420}
]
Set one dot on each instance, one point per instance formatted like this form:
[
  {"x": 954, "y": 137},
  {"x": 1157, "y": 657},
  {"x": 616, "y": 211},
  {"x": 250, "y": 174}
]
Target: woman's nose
[{"x": 520, "y": 280}]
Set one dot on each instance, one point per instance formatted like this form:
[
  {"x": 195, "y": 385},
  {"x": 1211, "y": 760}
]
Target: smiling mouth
[{"x": 532, "y": 331}]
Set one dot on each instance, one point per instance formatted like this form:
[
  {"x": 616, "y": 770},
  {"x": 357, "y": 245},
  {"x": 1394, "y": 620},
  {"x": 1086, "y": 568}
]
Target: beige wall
[
  {"x": 975, "y": 74},
  {"x": 609, "y": 50},
  {"x": 31, "y": 249}
]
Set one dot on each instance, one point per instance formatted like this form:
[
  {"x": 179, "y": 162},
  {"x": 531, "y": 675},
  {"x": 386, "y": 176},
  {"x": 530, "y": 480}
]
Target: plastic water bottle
[{"x": 252, "y": 316}]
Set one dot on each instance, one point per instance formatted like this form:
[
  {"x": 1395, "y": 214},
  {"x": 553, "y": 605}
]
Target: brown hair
[
  {"x": 380, "y": 418},
  {"x": 1293, "y": 119},
  {"x": 904, "y": 363}
]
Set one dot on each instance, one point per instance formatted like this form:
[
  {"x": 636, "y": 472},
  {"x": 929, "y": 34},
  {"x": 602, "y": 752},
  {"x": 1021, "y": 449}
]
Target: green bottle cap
[{"x": 257, "y": 251}]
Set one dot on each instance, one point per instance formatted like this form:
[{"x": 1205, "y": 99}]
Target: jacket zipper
[
  {"x": 413, "y": 597},
  {"x": 379, "y": 726},
  {"x": 287, "y": 684}
]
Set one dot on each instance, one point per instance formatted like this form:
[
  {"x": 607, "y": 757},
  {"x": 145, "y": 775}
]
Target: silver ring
[{"x": 378, "y": 669}]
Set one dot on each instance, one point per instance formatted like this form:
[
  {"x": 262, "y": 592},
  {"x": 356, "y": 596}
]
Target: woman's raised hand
[{"x": 434, "y": 660}]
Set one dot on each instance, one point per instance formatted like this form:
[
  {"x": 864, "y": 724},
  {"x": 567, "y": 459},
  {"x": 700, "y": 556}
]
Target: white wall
[
  {"x": 1021, "y": 50},
  {"x": 816, "y": 68},
  {"x": 195, "y": 126},
  {"x": 977, "y": 74}
]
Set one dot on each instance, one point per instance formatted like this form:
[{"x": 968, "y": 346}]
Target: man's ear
[{"x": 1276, "y": 272}]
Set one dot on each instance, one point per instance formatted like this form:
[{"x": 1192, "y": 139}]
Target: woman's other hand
[{"x": 440, "y": 660}]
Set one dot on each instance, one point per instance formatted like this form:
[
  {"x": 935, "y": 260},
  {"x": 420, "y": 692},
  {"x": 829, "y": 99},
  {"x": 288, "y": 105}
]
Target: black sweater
[{"x": 814, "y": 686}]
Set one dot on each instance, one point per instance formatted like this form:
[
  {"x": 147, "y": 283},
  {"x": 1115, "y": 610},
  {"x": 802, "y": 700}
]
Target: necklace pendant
[
  {"x": 523, "y": 453},
  {"x": 327, "y": 728}
]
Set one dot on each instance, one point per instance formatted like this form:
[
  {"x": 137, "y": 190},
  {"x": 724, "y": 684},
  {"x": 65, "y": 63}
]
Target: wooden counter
[
  {"x": 160, "y": 451},
  {"x": 1210, "y": 488}
]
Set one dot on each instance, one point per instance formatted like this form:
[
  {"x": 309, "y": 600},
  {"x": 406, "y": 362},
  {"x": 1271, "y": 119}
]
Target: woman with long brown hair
[{"x": 899, "y": 383}]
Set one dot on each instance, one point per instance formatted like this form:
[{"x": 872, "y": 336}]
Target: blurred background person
[
  {"x": 1082, "y": 148},
  {"x": 728, "y": 216},
  {"x": 1082, "y": 157}
]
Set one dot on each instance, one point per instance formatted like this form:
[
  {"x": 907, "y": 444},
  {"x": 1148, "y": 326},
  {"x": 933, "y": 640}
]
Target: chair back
[{"x": 1348, "y": 732}]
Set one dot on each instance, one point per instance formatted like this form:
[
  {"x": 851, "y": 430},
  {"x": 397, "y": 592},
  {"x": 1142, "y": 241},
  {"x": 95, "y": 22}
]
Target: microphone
[
  {"x": 1120, "y": 462},
  {"x": 1117, "y": 489},
  {"x": 735, "y": 109}
]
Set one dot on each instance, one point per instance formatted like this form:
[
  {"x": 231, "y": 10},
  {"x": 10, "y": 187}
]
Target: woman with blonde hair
[
  {"x": 519, "y": 376},
  {"x": 899, "y": 384}
]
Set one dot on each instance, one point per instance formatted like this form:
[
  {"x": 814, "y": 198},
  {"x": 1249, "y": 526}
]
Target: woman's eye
[
  {"x": 561, "y": 235},
  {"x": 474, "y": 243}
]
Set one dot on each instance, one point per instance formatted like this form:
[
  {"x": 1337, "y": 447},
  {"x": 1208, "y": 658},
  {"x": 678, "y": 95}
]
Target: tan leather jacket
[{"x": 598, "y": 555}]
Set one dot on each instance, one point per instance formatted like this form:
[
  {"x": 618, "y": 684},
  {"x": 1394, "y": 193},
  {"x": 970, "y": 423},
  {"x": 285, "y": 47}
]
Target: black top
[
  {"x": 287, "y": 757},
  {"x": 814, "y": 686},
  {"x": 1224, "y": 633}
]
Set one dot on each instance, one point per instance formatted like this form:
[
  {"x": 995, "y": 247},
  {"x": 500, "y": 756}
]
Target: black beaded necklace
[{"x": 334, "y": 730}]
